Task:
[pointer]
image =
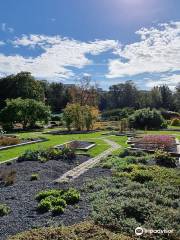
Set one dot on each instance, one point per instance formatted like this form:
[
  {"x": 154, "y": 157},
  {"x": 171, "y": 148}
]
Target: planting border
[
  {"x": 22, "y": 144},
  {"x": 85, "y": 148}
]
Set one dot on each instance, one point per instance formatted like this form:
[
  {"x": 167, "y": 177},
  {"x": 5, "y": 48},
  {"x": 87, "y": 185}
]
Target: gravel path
[{"x": 77, "y": 171}]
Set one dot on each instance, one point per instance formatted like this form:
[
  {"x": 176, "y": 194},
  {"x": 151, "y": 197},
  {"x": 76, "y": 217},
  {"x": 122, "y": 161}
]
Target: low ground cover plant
[
  {"x": 137, "y": 194},
  {"x": 56, "y": 200},
  {"x": 4, "y": 210},
  {"x": 121, "y": 205},
  {"x": 82, "y": 231}
]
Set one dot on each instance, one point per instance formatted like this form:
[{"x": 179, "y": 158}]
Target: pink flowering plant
[{"x": 165, "y": 142}]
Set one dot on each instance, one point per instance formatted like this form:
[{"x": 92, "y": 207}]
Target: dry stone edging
[{"x": 82, "y": 168}]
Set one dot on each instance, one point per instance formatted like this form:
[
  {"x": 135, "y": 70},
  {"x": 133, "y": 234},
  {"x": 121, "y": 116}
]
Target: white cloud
[
  {"x": 6, "y": 28},
  {"x": 158, "y": 51},
  {"x": 172, "y": 81},
  {"x": 58, "y": 54}
]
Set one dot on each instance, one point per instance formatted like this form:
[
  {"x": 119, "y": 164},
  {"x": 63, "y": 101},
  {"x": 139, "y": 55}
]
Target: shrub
[
  {"x": 146, "y": 119},
  {"x": 142, "y": 177},
  {"x": 68, "y": 153},
  {"x": 56, "y": 200},
  {"x": 163, "y": 158},
  {"x": 8, "y": 177},
  {"x": 5, "y": 140},
  {"x": 34, "y": 176},
  {"x": 52, "y": 153},
  {"x": 44, "y": 205},
  {"x": 29, "y": 155},
  {"x": 71, "y": 196},
  {"x": 4, "y": 210},
  {"x": 52, "y": 192},
  {"x": 57, "y": 210},
  {"x": 175, "y": 122}
]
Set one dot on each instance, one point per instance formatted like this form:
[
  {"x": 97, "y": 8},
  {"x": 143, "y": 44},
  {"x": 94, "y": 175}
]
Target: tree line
[{"x": 58, "y": 95}]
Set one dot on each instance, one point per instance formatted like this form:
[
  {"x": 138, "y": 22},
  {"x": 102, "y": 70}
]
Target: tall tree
[
  {"x": 84, "y": 92},
  {"x": 21, "y": 85},
  {"x": 177, "y": 98},
  {"x": 123, "y": 95},
  {"x": 167, "y": 97}
]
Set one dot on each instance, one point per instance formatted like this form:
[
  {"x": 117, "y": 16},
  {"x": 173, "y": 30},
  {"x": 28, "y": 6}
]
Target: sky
[{"x": 111, "y": 41}]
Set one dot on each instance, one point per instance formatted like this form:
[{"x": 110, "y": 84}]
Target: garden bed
[
  {"x": 150, "y": 143},
  {"x": 77, "y": 145},
  {"x": 20, "y": 197},
  {"x": 65, "y": 132},
  {"x": 7, "y": 142}
]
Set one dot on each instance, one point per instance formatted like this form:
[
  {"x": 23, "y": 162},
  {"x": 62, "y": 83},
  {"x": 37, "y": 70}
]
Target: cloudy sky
[{"x": 110, "y": 40}]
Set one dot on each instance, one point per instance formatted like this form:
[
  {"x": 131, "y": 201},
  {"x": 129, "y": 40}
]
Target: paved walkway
[{"x": 77, "y": 171}]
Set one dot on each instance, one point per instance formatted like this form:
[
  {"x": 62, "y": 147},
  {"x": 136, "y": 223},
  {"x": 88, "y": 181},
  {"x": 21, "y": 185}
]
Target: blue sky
[{"x": 110, "y": 40}]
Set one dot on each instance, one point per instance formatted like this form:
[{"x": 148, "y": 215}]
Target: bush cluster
[
  {"x": 164, "y": 159},
  {"x": 47, "y": 154},
  {"x": 147, "y": 119},
  {"x": 175, "y": 122},
  {"x": 56, "y": 200}
]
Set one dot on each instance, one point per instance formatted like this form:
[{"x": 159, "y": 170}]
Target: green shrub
[
  {"x": 164, "y": 159},
  {"x": 57, "y": 210},
  {"x": 71, "y": 196},
  {"x": 68, "y": 153},
  {"x": 147, "y": 119},
  {"x": 44, "y": 205},
  {"x": 142, "y": 176},
  {"x": 52, "y": 153},
  {"x": 56, "y": 200},
  {"x": 175, "y": 122},
  {"x": 34, "y": 176},
  {"x": 4, "y": 210},
  {"x": 52, "y": 192},
  {"x": 29, "y": 155}
]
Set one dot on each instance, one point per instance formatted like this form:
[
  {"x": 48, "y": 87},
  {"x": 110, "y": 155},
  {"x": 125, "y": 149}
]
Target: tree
[
  {"x": 177, "y": 98},
  {"x": 167, "y": 97},
  {"x": 84, "y": 92},
  {"x": 57, "y": 96},
  {"x": 123, "y": 95},
  {"x": 80, "y": 117},
  {"x": 24, "y": 111},
  {"x": 21, "y": 85}
]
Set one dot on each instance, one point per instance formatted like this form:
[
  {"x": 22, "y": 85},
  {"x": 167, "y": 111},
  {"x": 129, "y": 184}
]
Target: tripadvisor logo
[{"x": 139, "y": 231}]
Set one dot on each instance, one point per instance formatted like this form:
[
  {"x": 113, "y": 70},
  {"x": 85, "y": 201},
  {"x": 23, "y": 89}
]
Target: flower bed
[
  {"x": 153, "y": 142},
  {"x": 77, "y": 145},
  {"x": 11, "y": 141}
]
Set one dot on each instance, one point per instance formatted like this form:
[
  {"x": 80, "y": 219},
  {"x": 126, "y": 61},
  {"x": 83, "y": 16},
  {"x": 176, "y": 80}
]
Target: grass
[
  {"x": 59, "y": 139},
  {"x": 55, "y": 140}
]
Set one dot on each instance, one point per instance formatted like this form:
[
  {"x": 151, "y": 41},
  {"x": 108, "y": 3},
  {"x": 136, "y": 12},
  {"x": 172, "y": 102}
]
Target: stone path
[{"x": 77, "y": 171}]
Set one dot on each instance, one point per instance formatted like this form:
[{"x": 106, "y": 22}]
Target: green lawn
[
  {"x": 55, "y": 140},
  {"x": 59, "y": 139}
]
